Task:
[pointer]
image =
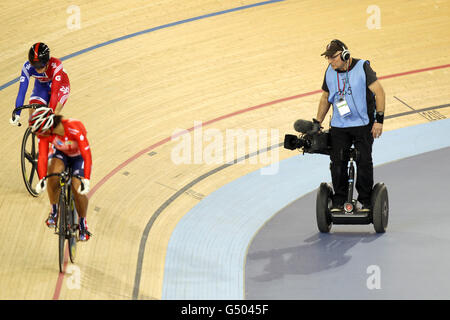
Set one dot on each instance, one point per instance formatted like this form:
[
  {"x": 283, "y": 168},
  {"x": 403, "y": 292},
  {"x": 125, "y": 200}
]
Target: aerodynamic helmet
[
  {"x": 41, "y": 120},
  {"x": 39, "y": 55}
]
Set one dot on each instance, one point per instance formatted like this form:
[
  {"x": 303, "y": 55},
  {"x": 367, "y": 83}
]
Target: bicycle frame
[{"x": 67, "y": 222}]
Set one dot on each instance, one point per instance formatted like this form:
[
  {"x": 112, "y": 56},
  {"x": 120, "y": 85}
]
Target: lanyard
[{"x": 339, "y": 87}]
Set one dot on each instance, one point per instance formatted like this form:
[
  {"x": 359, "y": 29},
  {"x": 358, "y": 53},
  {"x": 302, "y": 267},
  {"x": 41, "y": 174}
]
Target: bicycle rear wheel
[
  {"x": 28, "y": 160},
  {"x": 72, "y": 224},
  {"x": 62, "y": 228}
]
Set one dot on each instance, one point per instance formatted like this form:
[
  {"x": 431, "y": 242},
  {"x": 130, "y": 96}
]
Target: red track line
[
  {"x": 60, "y": 280},
  {"x": 165, "y": 140},
  {"x": 414, "y": 71},
  {"x": 153, "y": 146}
]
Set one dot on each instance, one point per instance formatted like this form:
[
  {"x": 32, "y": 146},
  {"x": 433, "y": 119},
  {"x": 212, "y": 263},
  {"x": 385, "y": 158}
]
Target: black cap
[{"x": 333, "y": 47}]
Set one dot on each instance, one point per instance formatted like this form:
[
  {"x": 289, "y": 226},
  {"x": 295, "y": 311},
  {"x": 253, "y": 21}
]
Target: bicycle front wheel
[
  {"x": 62, "y": 229},
  {"x": 28, "y": 160}
]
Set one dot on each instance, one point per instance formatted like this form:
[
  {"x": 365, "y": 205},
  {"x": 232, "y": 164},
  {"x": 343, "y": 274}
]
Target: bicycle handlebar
[
  {"x": 27, "y": 106},
  {"x": 65, "y": 176}
]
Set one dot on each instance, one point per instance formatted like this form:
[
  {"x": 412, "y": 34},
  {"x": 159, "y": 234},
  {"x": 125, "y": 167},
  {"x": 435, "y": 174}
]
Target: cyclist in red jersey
[{"x": 68, "y": 137}]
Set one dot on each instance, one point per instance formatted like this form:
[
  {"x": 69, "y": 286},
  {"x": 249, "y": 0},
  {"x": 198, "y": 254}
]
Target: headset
[{"x": 345, "y": 54}]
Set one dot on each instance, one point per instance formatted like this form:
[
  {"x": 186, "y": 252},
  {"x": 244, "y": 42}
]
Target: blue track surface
[
  {"x": 290, "y": 259},
  {"x": 207, "y": 251}
]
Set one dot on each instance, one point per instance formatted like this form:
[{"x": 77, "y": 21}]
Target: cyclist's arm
[
  {"x": 23, "y": 86},
  {"x": 79, "y": 135},
  {"x": 85, "y": 150},
  {"x": 43, "y": 157},
  {"x": 58, "y": 82},
  {"x": 58, "y": 108},
  {"x": 56, "y": 85}
]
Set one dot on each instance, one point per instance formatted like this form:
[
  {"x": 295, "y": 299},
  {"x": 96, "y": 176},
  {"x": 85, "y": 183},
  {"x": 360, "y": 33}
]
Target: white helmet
[{"x": 41, "y": 120}]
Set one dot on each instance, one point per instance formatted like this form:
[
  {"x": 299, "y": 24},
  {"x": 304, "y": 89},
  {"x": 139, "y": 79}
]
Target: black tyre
[
  {"x": 323, "y": 204},
  {"x": 28, "y": 161},
  {"x": 380, "y": 207},
  {"x": 61, "y": 229},
  {"x": 73, "y": 223}
]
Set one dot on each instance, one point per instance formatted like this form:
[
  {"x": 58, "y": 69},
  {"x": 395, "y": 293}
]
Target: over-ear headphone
[{"x": 345, "y": 54}]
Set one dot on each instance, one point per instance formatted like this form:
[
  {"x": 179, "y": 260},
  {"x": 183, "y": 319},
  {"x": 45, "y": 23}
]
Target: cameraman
[{"x": 358, "y": 100}]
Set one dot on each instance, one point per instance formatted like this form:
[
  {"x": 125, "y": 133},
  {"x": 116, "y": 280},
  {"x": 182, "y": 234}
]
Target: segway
[{"x": 350, "y": 214}]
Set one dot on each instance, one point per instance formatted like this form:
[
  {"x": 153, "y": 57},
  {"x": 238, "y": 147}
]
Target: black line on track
[{"x": 416, "y": 111}]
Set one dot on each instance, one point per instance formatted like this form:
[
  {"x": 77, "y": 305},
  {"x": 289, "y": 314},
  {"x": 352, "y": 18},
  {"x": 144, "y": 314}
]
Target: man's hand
[
  {"x": 315, "y": 127},
  {"x": 84, "y": 187},
  {"x": 15, "y": 120},
  {"x": 377, "y": 129}
]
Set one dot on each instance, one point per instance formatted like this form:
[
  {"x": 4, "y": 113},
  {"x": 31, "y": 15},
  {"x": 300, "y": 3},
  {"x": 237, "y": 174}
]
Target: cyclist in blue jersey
[{"x": 51, "y": 87}]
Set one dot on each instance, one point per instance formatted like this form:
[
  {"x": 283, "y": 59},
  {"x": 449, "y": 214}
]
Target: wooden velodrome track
[{"x": 132, "y": 94}]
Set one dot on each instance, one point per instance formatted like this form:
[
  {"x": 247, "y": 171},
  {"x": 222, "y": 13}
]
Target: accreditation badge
[{"x": 342, "y": 106}]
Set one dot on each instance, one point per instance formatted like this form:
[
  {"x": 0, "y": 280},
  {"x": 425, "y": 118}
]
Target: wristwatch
[{"x": 379, "y": 117}]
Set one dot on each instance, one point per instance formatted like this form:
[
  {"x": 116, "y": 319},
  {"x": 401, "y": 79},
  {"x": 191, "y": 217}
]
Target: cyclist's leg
[
  {"x": 58, "y": 162},
  {"x": 81, "y": 201},
  {"x": 40, "y": 94},
  {"x": 57, "y": 165}
]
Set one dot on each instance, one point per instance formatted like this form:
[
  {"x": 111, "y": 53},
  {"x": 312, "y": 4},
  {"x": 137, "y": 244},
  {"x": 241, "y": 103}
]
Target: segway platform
[
  {"x": 350, "y": 215},
  {"x": 351, "y": 218}
]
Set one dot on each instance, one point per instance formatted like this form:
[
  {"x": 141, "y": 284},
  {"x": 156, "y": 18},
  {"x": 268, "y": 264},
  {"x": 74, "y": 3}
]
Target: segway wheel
[
  {"x": 380, "y": 207},
  {"x": 323, "y": 204}
]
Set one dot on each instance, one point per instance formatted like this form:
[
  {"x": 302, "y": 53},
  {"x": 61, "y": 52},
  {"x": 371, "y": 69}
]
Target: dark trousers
[{"x": 341, "y": 141}]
